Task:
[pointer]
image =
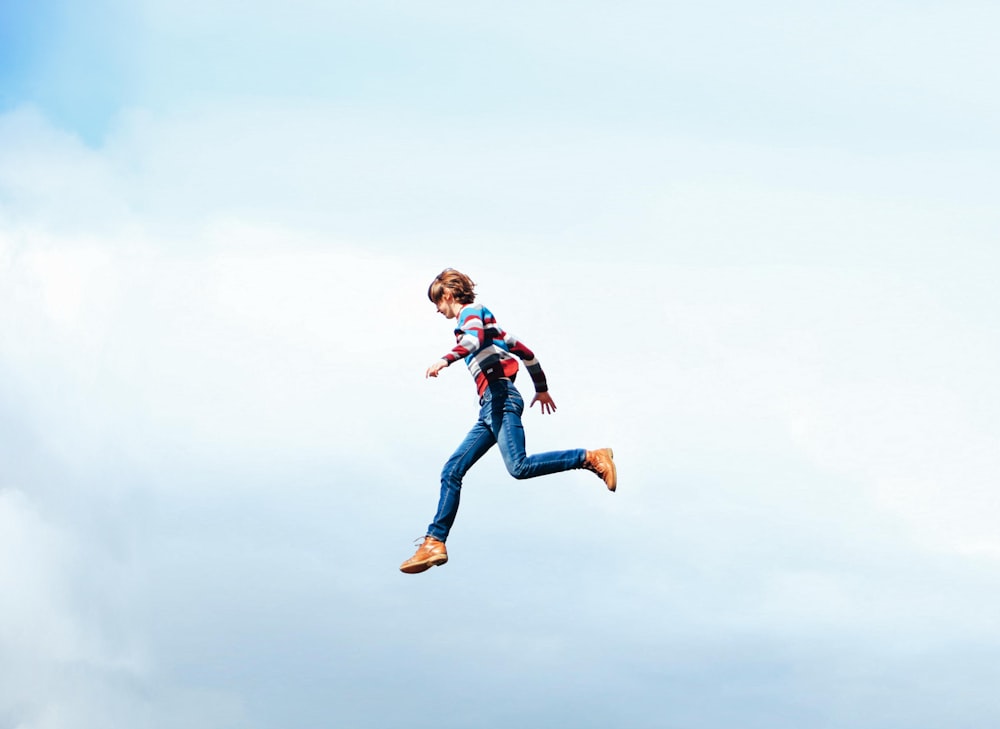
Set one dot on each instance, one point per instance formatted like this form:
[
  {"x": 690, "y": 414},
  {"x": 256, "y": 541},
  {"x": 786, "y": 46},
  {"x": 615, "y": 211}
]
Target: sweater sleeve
[
  {"x": 470, "y": 334},
  {"x": 530, "y": 361}
]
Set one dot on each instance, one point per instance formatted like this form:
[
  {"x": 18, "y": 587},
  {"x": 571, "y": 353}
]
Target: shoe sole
[
  {"x": 418, "y": 567},
  {"x": 614, "y": 472}
]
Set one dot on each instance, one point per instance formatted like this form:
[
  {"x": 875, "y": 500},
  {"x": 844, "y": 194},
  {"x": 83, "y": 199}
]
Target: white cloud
[
  {"x": 252, "y": 335},
  {"x": 221, "y": 417},
  {"x": 50, "y": 629}
]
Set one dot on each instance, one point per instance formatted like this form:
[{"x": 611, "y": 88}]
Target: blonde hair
[{"x": 457, "y": 283}]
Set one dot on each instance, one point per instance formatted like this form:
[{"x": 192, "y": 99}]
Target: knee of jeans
[
  {"x": 451, "y": 475},
  {"x": 518, "y": 470}
]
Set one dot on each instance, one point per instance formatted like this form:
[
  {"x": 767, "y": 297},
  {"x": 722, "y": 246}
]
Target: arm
[
  {"x": 470, "y": 336},
  {"x": 535, "y": 371},
  {"x": 542, "y": 395}
]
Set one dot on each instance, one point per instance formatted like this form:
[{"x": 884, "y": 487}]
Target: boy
[{"x": 489, "y": 352}]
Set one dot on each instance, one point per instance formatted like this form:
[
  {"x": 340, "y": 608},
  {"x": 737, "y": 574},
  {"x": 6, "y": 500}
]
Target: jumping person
[{"x": 489, "y": 352}]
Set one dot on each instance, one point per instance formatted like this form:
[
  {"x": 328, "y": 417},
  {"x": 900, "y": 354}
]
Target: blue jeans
[{"x": 500, "y": 423}]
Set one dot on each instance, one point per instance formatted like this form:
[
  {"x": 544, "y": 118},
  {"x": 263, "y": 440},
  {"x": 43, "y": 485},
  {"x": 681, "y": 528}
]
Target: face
[{"x": 447, "y": 306}]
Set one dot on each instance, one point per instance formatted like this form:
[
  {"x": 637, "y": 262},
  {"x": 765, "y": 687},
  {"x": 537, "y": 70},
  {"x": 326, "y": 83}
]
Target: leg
[
  {"x": 505, "y": 424},
  {"x": 479, "y": 440}
]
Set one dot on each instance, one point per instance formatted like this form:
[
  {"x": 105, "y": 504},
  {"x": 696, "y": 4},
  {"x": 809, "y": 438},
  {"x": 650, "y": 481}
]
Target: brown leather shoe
[
  {"x": 602, "y": 463},
  {"x": 430, "y": 553}
]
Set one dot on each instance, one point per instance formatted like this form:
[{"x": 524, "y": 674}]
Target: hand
[
  {"x": 548, "y": 406},
  {"x": 433, "y": 370}
]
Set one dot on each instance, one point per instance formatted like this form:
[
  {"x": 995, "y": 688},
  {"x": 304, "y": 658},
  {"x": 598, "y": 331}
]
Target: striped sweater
[{"x": 488, "y": 350}]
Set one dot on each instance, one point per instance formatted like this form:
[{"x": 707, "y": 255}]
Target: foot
[
  {"x": 430, "y": 553},
  {"x": 602, "y": 462}
]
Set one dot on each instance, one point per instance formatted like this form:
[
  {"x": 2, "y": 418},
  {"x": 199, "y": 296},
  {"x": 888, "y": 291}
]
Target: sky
[{"x": 754, "y": 248}]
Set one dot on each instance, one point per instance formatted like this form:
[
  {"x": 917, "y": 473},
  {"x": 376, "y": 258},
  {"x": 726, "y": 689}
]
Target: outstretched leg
[{"x": 479, "y": 440}]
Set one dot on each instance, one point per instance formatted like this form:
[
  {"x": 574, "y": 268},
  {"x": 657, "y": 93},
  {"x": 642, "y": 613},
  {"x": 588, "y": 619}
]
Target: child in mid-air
[{"x": 489, "y": 352}]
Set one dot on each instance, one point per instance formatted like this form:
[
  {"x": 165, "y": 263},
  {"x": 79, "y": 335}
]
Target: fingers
[
  {"x": 435, "y": 368},
  {"x": 548, "y": 406}
]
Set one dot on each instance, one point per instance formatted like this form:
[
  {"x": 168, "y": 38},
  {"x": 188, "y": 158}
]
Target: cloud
[{"x": 214, "y": 334}]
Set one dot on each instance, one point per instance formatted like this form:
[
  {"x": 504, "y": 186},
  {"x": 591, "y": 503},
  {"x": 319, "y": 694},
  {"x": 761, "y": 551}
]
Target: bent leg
[
  {"x": 479, "y": 440},
  {"x": 509, "y": 434}
]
